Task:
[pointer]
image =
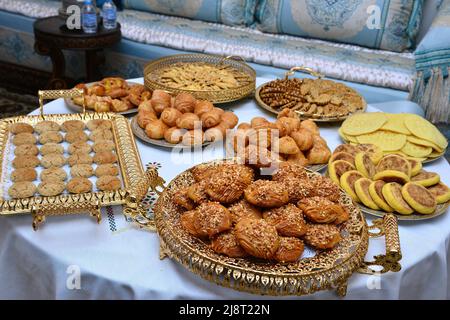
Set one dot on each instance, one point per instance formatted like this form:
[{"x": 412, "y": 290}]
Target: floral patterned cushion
[
  {"x": 230, "y": 12},
  {"x": 383, "y": 24}
]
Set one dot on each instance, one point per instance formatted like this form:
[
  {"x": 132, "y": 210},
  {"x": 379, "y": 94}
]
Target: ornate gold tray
[
  {"x": 246, "y": 82},
  {"x": 302, "y": 115},
  {"x": 135, "y": 182},
  {"x": 322, "y": 270}
]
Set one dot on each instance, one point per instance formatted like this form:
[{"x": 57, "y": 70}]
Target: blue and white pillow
[
  {"x": 382, "y": 24},
  {"x": 229, "y": 12}
]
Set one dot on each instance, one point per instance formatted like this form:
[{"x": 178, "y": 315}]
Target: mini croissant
[
  {"x": 170, "y": 116},
  {"x": 184, "y": 102},
  {"x": 210, "y": 119},
  {"x": 188, "y": 121},
  {"x": 160, "y": 100},
  {"x": 203, "y": 106},
  {"x": 230, "y": 119}
]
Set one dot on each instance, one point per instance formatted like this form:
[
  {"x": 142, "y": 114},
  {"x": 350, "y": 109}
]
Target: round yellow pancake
[
  {"x": 363, "y": 123},
  {"x": 386, "y": 140},
  {"x": 415, "y": 150},
  {"x": 375, "y": 191},
  {"x": 395, "y": 123},
  {"x": 424, "y": 129},
  {"x": 419, "y": 198},
  {"x": 424, "y": 143},
  {"x": 362, "y": 191},
  {"x": 392, "y": 193}
]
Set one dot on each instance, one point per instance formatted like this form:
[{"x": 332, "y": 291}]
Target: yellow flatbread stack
[{"x": 404, "y": 133}]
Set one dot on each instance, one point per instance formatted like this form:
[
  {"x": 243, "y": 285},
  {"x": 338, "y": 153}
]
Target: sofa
[{"x": 395, "y": 53}]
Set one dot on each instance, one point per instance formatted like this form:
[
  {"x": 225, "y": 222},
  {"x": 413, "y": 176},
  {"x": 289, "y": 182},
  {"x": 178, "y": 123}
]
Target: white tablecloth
[{"x": 117, "y": 260}]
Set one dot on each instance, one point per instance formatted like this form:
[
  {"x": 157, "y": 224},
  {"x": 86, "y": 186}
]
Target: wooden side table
[{"x": 52, "y": 36}]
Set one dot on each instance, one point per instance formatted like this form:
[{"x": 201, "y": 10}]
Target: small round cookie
[
  {"x": 322, "y": 236},
  {"x": 257, "y": 237},
  {"x": 79, "y": 158},
  {"x": 50, "y": 137},
  {"x": 80, "y": 147},
  {"x": 79, "y": 185},
  {"x": 23, "y": 174},
  {"x": 49, "y": 148},
  {"x": 108, "y": 183},
  {"x": 103, "y": 145},
  {"x": 81, "y": 170},
  {"x": 108, "y": 169},
  {"x": 53, "y": 174},
  {"x": 76, "y": 136},
  {"x": 24, "y": 189},
  {"x": 44, "y": 126},
  {"x": 24, "y": 138},
  {"x": 101, "y": 134},
  {"x": 99, "y": 124},
  {"x": 50, "y": 188},
  {"x": 105, "y": 157},
  {"x": 72, "y": 125},
  {"x": 26, "y": 150},
  {"x": 25, "y": 162},
  {"x": 20, "y": 127},
  {"x": 53, "y": 160}
]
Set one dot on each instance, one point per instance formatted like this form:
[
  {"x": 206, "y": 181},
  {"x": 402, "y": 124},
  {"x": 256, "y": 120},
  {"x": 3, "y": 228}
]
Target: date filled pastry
[
  {"x": 174, "y": 135},
  {"x": 190, "y": 224},
  {"x": 144, "y": 117},
  {"x": 184, "y": 102},
  {"x": 188, "y": 121},
  {"x": 25, "y": 162},
  {"x": 257, "y": 237},
  {"x": 76, "y": 136},
  {"x": 155, "y": 129},
  {"x": 160, "y": 101},
  {"x": 170, "y": 116},
  {"x": 101, "y": 134},
  {"x": 288, "y": 220},
  {"x": 227, "y": 244},
  {"x": 243, "y": 209},
  {"x": 320, "y": 210},
  {"x": 26, "y": 150},
  {"x": 71, "y": 125},
  {"x": 266, "y": 194},
  {"x": 212, "y": 218},
  {"x": 24, "y": 138},
  {"x": 230, "y": 119},
  {"x": 50, "y": 137},
  {"x": 193, "y": 138},
  {"x": 99, "y": 124},
  {"x": 227, "y": 184},
  {"x": 203, "y": 106},
  {"x": 290, "y": 249},
  {"x": 211, "y": 118},
  {"x": 322, "y": 236},
  {"x": 20, "y": 127},
  {"x": 105, "y": 157},
  {"x": 182, "y": 199}
]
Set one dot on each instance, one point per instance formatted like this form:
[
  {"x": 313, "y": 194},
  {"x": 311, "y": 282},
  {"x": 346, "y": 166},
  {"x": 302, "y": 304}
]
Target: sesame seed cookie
[
  {"x": 79, "y": 158},
  {"x": 81, "y": 170},
  {"x": 79, "y": 185},
  {"x": 25, "y": 162},
  {"x": 72, "y": 125},
  {"x": 53, "y": 160},
  {"x": 50, "y": 137},
  {"x": 44, "y": 126},
  {"x": 20, "y": 127},
  {"x": 99, "y": 124},
  {"x": 26, "y": 150},
  {"x": 23, "y": 174},
  {"x": 101, "y": 134},
  {"x": 24, "y": 189},
  {"x": 24, "y": 138},
  {"x": 103, "y": 145},
  {"x": 50, "y": 188},
  {"x": 80, "y": 147},
  {"x": 76, "y": 136},
  {"x": 108, "y": 183},
  {"x": 105, "y": 157},
  {"x": 51, "y": 148},
  {"x": 108, "y": 169},
  {"x": 53, "y": 174}
]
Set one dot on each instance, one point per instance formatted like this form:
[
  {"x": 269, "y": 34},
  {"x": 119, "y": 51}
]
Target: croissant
[
  {"x": 258, "y": 122},
  {"x": 319, "y": 153},
  {"x": 218, "y": 110},
  {"x": 188, "y": 121},
  {"x": 260, "y": 137},
  {"x": 203, "y": 106},
  {"x": 287, "y": 145},
  {"x": 160, "y": 100},
  {"x": 244, "y": 126},
  {"x": 97, "y": 89},
  {"x": 170, "y": 116},
  {"x": 193, "y": 137},
  {"x": 287, "y": 113},
  {"x": 210, "y": 119},
  {"x": 146, "y": 105},
  {"x": 135, "y": 99},
  {"x": 117, "y": 93},
  {"x": 287, "y": 125},
  {"x": 119, "y": 105},
  {"x": 146, "y": 95},
  {"x": 137, "y": 89},
  {"x": 155, "y": 129},
  {"x": 184, "y": 102},
  {"x": 174, "y": 135},
  {"x": 216, "y": 133},
  {"x": 230, "y": 119},
  {"x": 298, "y": 158},
  {"x": 303, "y": 138},
  {"x": 311, "y": 126},
  {"x": 144, "y": 117}
]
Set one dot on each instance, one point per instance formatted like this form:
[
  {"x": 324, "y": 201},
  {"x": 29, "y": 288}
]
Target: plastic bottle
[
  {"x": 89, "y": 17},
  {"x": 109, "y": 13}
]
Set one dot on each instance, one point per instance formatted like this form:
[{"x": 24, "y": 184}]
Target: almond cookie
[
  {"x": 105, "y": 157},
  {"x": 257, "y": 237},
  {"x": 243, "y": 209},
  {"x": 79, "y": 158},
  {"x": 53, "y": 174},
  {"x": 81, "y": 170},
  {"x": 26, "y": 150},
  {"x": 25, "y": 162},
  {"x": 288, "y": 220},
  {"x": 76, "y": 136},
  {"x": 290, "y": 249},
  {"x": 51, "y": 148},
  {"x": 53, "y": 160},
  {"x": 101, "y": 134},
  {"x": 20, "y": 127},
  {"x": 24, "y": 138},
  {"x": 44, "y": 126},
  {"x": 50, "y": 137},
  {"x": 99, "y": 124},
  {"x": 266, "y": 194},
  {"x": 50, "y": 188},
  {"x": 72, "y": 125},
  {"x": 103, "y": 145},
  {"x": 23, "y": 174},
  {"x": 211, "y": 218},
  {"x": 108, "y": 169},
  {"x": 23, "y": 189},
  {"x": 80, "y": 147},
  {"x": 227, "y": 244},
  {"x": 322, "y": 236},
  {"x": 79, "y": 185},
  {"x": 108, "y": 183}
]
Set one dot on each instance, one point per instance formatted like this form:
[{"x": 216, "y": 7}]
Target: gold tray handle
[
  {"x": 388, "y": 227},
  {"x": 55, "y": 94},
  {"x": 293, "y": 70}
]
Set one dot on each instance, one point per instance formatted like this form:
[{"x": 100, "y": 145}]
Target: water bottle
[
  {"x": 89, "y": 17},
  {"x": 109, "y": 13}
]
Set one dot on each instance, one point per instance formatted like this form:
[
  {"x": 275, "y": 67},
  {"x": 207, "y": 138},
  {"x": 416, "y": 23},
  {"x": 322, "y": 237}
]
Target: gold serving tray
[
  {"x": 322, "y": 270},
  {"x": 302, "y": 115},
  {"x": 135, "y": 182},
  {"x": 246, "y": 87}
]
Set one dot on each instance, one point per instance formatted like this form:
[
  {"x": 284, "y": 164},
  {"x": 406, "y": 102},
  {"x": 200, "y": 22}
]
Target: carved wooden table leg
[
  {"x": 57, "y": 80},
  {"x": 92, "y": 62}
]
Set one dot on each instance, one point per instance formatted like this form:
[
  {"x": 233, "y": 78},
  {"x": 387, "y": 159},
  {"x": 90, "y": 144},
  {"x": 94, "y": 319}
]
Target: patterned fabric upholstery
[
  {"x": 384, "y": 24},
  {"x": 229, "y": 12}
]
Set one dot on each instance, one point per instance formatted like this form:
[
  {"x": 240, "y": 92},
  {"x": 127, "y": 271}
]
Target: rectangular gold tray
[{"x": 135, "y": 182}]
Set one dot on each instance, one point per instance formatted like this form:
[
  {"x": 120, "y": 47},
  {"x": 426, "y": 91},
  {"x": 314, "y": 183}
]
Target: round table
[{"x": 73, "y": 257}]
